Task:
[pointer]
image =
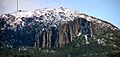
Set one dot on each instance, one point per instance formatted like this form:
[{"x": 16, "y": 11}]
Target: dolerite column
[
  {"x": 53, "y": 36},
  {"x": 61, "y": 37},
  {"x": 37, "y": 39},
  {"x": 41, "y": 39},
  {"x": 49, "y": 39},
  {"x": 73, "y": 35},
  {"x": 91, "y": 28},
  {"x": 46, "y": 39},
  {"x": 79, "y": 25},
  {"x": 71, "y": 30},
  {"x": 57, "y": 42},
  {"x": 64, "y": 34},
  {"x": 57, "y": 38},
  {"x": 68, "y": 33},
  {"x": 76, "y": 26}
]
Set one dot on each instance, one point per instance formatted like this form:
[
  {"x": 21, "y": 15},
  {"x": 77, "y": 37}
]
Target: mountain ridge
[{"x": 50, "y": 27}]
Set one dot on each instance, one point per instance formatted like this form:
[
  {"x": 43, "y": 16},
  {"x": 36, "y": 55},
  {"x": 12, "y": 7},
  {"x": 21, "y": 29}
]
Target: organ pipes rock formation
[{"x": 49, "y": 27}]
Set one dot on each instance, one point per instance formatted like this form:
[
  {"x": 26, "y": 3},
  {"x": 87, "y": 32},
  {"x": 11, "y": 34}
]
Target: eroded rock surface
[{"x": 49, "y": 27}]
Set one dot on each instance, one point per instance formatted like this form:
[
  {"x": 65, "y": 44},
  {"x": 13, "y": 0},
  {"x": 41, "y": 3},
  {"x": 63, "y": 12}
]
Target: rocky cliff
[{"x": 54, "y": 27}]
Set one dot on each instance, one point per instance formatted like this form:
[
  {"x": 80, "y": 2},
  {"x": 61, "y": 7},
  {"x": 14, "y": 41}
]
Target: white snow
[
  {"x": 50, "y": 15},
  {"x": 101, "y": 41},
  {"x": 86, "y": 38},
  {"x": 79, "y": 34}
]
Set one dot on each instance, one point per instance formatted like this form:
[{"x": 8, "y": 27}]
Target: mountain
[{"x": 55, "y": 27}]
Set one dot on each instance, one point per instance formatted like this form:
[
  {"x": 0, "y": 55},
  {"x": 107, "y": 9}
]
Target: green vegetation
[
  {"x": 89, "y": 50},
  {"x": 109, "y": 48}
]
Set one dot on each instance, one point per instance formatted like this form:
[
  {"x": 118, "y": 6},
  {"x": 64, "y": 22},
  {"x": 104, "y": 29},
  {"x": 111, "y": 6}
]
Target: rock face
[{"x": 50, "y": 27}]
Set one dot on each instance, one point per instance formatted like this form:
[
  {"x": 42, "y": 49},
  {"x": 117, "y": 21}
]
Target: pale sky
[{"x": 108, "y": 10}]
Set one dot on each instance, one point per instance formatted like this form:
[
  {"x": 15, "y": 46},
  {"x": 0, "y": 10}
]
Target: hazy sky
[{"x": 108, "y": 10}]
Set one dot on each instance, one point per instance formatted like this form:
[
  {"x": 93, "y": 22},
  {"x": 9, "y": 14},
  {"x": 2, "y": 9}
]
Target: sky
[{"x": 108, "y": 10}]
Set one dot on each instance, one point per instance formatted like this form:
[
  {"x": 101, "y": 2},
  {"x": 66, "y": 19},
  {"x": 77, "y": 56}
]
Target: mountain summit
[{"x": 55, "y": 27}]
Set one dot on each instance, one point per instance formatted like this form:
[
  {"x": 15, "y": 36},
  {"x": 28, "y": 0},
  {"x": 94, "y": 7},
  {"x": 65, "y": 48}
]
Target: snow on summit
[
  {"x": 49, "y": 16},
  {"x": 56, "y": 12}
]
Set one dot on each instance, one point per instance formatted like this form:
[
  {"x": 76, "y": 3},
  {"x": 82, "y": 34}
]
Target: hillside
[{"x": 54, "y": 28}]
